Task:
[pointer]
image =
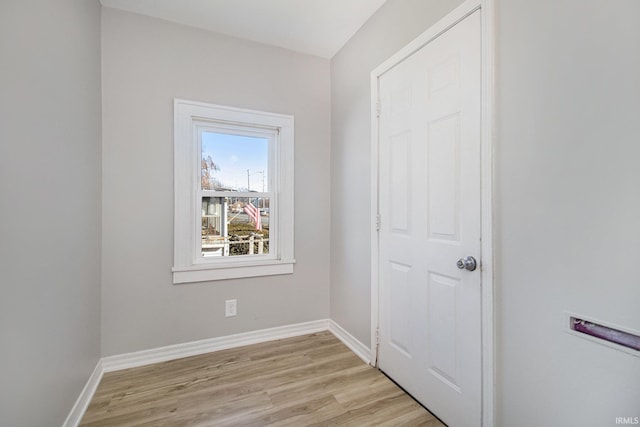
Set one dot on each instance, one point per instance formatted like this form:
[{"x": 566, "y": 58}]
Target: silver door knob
[{"x": 468, "y": 263}]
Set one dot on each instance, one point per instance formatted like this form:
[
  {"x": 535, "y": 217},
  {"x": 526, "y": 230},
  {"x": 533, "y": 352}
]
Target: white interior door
[{"x": 429, "y": 204}]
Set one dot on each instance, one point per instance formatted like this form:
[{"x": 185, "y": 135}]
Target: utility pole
[{"x": 262, "y": 200}]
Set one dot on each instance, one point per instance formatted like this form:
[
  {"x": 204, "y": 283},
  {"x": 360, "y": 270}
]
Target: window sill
[{"x": 205, "y": 273}]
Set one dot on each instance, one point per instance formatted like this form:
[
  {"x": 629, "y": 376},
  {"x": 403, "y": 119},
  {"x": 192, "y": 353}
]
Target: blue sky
[{"x": 234, "y": 154}]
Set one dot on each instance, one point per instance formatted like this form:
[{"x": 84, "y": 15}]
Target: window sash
[
  {"x": 273, "y": 229},
  {"x": 238, "y": 194},
  {"x": 270, "y": 135}
]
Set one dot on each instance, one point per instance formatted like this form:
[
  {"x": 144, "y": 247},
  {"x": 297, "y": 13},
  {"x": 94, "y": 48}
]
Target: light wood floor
[{"x": 313, "y": 380}]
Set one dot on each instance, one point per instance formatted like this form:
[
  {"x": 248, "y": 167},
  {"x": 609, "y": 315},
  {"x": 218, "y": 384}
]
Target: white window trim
[{"x": 188, "y": 265}]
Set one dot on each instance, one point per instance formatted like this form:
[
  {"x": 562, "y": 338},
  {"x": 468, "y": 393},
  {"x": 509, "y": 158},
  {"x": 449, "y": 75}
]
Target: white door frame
[{"x": 486, "y": 8}]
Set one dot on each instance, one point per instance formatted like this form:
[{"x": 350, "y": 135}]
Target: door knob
[{"x": 468, "y": 263}]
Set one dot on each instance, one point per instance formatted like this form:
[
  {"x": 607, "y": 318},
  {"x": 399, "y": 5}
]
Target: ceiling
[{"x": 315, "y": 27}]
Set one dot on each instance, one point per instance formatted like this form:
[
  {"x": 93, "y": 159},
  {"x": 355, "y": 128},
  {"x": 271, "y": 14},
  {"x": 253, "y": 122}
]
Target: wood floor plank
[{"x": 301, "y": 381}]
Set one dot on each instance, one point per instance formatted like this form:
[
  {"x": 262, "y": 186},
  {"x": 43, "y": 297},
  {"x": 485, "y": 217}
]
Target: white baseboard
[
  {"x": 177, "y": 351},
  {"x": 81, "y": 405},
  {"x": 361, "y": 350}
]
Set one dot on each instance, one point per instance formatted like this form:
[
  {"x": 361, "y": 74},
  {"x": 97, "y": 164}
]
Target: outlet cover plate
[{"x": 230, "y": 307}]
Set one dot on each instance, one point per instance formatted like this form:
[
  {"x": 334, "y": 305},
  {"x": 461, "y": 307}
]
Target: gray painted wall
[
  {"x": 393, "y": 26},
  {"x": 566, "y": 197},
  {"x": 50, "y": 207},
  {"x": 146, "y": 63},
  {"x": 567, "y": 208}
]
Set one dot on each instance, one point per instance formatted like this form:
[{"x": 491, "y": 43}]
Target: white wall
[
  {"x": 146, "y": 63},
  {"x": 49, "y": 207},
  {"x": 567, "y": 208},
  {"x": 394, "y": 25}
]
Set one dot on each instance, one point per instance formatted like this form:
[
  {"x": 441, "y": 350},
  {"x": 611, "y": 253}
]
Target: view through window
[{"x": 236, "y": 202}]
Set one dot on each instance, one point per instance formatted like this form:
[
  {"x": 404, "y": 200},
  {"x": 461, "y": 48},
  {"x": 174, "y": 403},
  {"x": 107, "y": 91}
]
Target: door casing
[{"x": 486, "y": 8}]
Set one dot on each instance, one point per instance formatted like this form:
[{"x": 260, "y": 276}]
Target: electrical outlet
[{"x": 230, "y": 307}]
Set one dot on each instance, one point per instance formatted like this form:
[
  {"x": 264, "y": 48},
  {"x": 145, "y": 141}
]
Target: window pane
[
  {"x": 234, "y": 162},
  {"x": 233, "y": 226}
]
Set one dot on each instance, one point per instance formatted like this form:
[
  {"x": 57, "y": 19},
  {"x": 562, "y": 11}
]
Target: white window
[{"x": 233, "y": 193}]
